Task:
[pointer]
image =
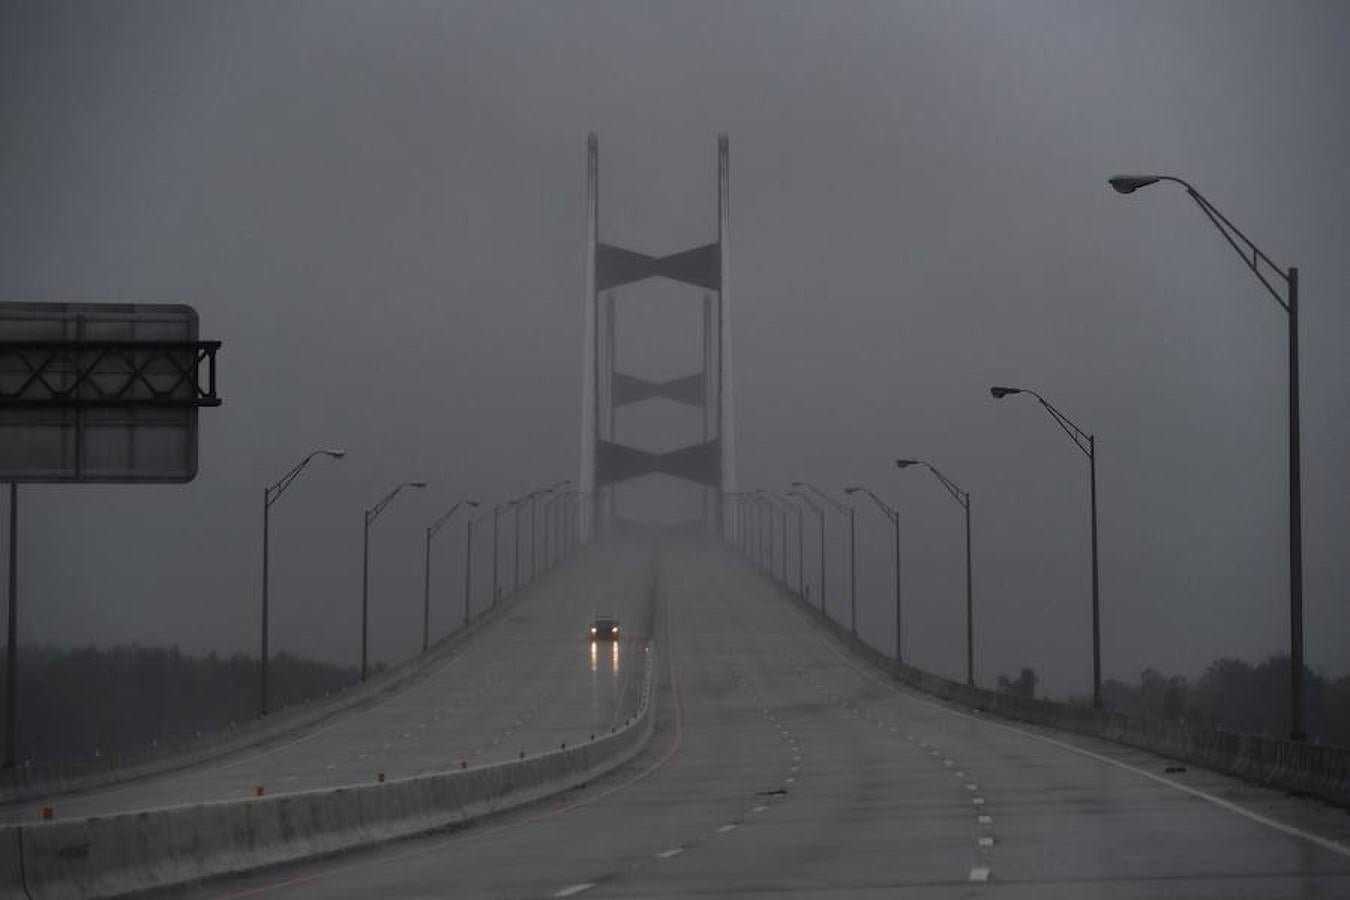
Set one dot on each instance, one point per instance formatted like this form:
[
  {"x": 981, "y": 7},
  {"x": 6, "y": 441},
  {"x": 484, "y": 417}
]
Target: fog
[{"x": 379, "y": 209}]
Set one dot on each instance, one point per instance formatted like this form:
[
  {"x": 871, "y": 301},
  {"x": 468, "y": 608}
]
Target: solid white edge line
[{"x": 1325, "y": 843}]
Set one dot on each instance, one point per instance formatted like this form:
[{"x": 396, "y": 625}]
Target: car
[{"x": 605, "y": 628}]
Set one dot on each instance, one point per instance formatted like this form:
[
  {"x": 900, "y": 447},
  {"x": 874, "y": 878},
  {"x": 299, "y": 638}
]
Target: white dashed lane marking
[
  {"x": 986, "y": 820},
  {"x": 979, "y": 873},
  {"x": 667, "y": 854},
  {"x": 575, "y": 889},
  {"x": 986, "y": 842},
  {"x": 725, "y": 828}
]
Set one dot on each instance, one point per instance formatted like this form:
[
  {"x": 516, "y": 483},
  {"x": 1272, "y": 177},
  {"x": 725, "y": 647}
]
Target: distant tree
[
  {"x": 1023, "y": 686},
  {"x": 86, "y": 702}
]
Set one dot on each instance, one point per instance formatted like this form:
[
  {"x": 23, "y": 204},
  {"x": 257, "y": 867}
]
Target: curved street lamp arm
[
  {"x": 962, "y": 497},
  {"x": 885, "y": 507},
  {"x": 374, "y": 512},
  {"x": 820, "y": 511},
  {"x": 776, "y": 498},
  {"x": 436, "y": 526},
  {"x": 1081, "y": 438},
  {"x": 276, "y": 490},
  {"x": 1251, "y": 255},
  {"x": 835, "y": 504}
]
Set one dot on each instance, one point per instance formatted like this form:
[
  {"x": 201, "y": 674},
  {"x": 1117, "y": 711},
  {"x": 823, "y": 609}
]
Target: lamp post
[
  {"x": 540, "y": 493},
  {"x": 1088, "y": 444},
  {"x": 532, "y": 497},
  {"x": 963, "y": 498},
  {"x": 770, "y": 509},
  {"x": 781, "y": 505},
  {"x": 468, "y": 559},
  {"x": 820, "y": 528},
  {"x": 371, "y": 515},
  {"x": 496, "y": 523},
  {"x": 1261, "y": 265},
  {"x": 737, "y": 535},
  {"x": 270, "y": 495},
  {"x": 894, "y": 516},
  {"x": 747, "y": 526},
  {"x": 432, "y": 530},
  {"x": 550, "y": 513},
  {"x": 515, "y": 552},
  {"x": 852, "y": 550}
]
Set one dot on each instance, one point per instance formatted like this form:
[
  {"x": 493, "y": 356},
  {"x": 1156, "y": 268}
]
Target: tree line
[
  {"x": 1231, "y": 694},
  {"x": 80, "y": 703}
]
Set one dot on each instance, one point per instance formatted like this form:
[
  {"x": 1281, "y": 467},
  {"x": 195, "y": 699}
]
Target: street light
[
  {"x": 1088, "y": 444},
  {"x": 533, "y": 494},
  {"x": 852, "y": 550},
  {"x": 894, "y": 516},
  {"x": 496, "y": 527},
  {"x": 551, "y": 529},
  {"x": 270, "y": 495},
  {"x": 820, "y": 521},
  {"x": 963, "y": 498},
  {"x": 432, "y": 530},
  {"x": 782, "y": 504},
  {"x": 1261, "y": 265},
  {"x": 468, "y": 558},
  {"x": 745, "y": 530},
  {"x": 371, "y": 515}
]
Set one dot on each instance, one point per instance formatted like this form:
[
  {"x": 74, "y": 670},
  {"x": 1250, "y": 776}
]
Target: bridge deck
[{"x": 783, "y": 767}]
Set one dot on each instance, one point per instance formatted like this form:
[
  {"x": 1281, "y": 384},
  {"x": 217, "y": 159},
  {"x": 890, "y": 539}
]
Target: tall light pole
[
  {"x": 781, "y": 504},
  {"x": 1088, "y": 444},
  {"x": 894, "y": 515},
  {"x": 270, "y": 495},
  {"x": 963, "y": 498},
  {"x": 820, "y": 523},
  {"x": 534, "y": 494},
  {"x": 852, "y": 550},
  {"x": 1261, "y": 265},
  {"x": 432, "y": 530},
  {"x": 371, "y": 515},
  {"x": 468, "y": 561},
  {"x": 496, "y": 523},
  {"x": 515, "y": 553}
]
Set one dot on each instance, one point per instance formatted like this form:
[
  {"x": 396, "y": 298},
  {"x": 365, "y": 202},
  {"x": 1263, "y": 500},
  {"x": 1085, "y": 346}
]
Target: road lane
[
  {"x": 529, "y": 682},
  {"x": 784, "y": 767}
]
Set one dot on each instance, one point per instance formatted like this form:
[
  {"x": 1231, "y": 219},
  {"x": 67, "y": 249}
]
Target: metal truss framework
[
  {"x": 79, "y": 374},
  {"x": 605, "y": 462}
]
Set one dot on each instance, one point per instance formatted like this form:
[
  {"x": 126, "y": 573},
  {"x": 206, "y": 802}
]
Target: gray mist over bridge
[{"x": 379, "y": 211}]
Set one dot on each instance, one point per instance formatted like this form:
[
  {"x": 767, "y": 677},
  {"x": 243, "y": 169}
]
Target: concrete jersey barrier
[
  {"x": 134, "y": 852},
  {"x": 27, "y": 783}
]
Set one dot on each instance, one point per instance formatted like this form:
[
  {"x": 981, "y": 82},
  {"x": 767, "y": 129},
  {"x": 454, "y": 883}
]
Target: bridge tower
[{"x": 605, "y": 462}]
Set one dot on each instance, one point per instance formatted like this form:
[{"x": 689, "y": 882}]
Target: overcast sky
[{"x": 379, "y": 209}]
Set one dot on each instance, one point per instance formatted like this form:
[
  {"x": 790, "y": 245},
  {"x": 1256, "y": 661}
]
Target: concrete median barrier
[
  {"x": 155, "y": 849},
  {"x": 27, "y": 783}
]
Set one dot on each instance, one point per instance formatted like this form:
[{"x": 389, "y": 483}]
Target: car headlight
[
  {"x": 614, "y": 630},
  {"x": 592, "y": 629}
]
